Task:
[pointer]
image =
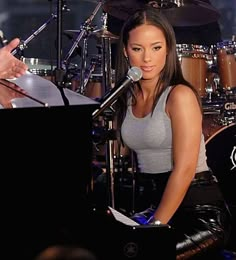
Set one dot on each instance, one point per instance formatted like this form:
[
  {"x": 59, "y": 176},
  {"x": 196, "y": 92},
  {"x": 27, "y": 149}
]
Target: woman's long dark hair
[{"x": 171, "y": 74}]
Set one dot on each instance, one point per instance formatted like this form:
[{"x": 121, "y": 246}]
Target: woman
[{"x": 160, "y": 119}]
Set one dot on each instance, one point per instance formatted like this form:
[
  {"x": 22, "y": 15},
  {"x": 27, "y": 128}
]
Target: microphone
[
  {"x": 3, "y": 40},
  {"x": 134, "y": 74}
]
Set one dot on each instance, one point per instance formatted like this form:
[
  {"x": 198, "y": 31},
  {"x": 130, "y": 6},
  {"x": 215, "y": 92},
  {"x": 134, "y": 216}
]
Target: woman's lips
[{"x": 147, "y": 69}]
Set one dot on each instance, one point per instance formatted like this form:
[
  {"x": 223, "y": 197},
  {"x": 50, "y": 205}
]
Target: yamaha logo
[
  {"x": 131, "y": 250},
  {"x": 233, "y": 158}
]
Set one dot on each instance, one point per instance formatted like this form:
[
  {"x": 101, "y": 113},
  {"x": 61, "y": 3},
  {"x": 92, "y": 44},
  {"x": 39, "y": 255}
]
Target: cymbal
[
  {"x": 121, "y": 9},
  {"x": 104, "y": 33},
  {"x": 179, "y": 13},
  {"x": 192, "y": 13},
  {"x": 100, "y": 33}
]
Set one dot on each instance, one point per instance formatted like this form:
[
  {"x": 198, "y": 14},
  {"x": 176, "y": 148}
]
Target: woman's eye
[
  {"x": 136, "y": 49},
  {"x": 157, "y": 48}
]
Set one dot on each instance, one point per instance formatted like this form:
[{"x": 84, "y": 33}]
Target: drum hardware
[
  {"x": 70, "y": 35},
  {"x": 71, "y": 76},
  {"x": 160, "y": 4},
  {"x": 85, "y": 29},
  {"x": 83, "y": 80},
  {"x": 212, "y": 89},
  {"x": 91, "y": 69},
  {"x": 105, "y": 37},
  {"x": 209, "y": 91},
  {"x": 23, "y": 43},
  {"x": 179, "y": 12}
]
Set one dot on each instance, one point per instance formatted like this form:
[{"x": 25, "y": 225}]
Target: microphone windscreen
[{"x": 135, "y": 73}]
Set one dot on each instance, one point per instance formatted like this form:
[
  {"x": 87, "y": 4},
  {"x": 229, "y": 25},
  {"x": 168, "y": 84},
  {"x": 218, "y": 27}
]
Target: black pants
[{"x": 202, "y": 223}]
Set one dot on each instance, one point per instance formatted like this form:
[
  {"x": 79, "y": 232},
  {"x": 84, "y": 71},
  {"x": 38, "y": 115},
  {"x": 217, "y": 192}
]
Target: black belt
[{"x": 204, "y": 176}]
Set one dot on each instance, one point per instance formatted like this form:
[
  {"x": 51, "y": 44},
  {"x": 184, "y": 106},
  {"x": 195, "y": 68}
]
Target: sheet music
[
  {"x": 43, "y": 91},
  {"x": 122, "y": 218}
]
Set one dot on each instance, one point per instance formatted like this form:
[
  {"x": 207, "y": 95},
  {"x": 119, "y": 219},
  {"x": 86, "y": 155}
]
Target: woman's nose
[{"x": 147, "y": 56}]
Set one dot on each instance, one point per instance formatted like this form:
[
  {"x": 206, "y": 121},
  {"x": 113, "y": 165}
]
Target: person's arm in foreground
[{"x": 10, "y": 66}]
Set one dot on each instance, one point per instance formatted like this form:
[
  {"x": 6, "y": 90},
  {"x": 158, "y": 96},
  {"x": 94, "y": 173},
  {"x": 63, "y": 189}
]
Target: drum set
[{"x": 211, "y": 70}]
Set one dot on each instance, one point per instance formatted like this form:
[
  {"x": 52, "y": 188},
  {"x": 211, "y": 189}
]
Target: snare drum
[
  {"x": 195, "y": 60},
  {"x": 226, "y": 60},
  {"x": 41, "y": 67}
]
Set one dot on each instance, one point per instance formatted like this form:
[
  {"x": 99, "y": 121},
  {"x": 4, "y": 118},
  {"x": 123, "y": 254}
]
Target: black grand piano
[
  {"x": 46, "y": 161},
  {"x": 44, "y": 139},
  {"x": 46, "y": 170}
]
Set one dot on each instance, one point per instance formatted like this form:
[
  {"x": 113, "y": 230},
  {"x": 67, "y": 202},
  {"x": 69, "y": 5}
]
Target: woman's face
[{"x": 147, "y": 50}]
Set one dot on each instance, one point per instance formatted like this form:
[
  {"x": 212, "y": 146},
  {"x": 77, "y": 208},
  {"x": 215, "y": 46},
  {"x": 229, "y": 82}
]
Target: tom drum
[
  {"x": 195, "y": 60},
  {"x": 226, "y": 60}
]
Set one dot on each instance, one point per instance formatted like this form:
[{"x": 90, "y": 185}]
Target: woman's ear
[
  {"x": 125, "y": 53},
  {"x": 126, "y": 57}
]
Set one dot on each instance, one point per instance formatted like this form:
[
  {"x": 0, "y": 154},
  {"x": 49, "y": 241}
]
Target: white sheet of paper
[{"x": 122, "y": 218}]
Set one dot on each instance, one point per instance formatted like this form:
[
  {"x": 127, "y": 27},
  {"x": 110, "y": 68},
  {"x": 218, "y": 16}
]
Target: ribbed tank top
[{"x": 151, "y": 138}]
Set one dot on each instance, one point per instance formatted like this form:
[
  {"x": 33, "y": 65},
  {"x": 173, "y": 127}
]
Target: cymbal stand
[
  {"x": 85, "y": 29},
  {"x": 106, "y": 58},
  {"x": 107, "y": 118},
  {"x": 91, "y": 69},
  {"x": 23, "y": 44},
  {"x": 82, "y": 86}
]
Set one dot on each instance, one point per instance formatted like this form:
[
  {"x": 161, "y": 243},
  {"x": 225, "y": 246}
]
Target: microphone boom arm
[
  {"x": 111, "y": 99},
  {"x": 134, "y": 74}
]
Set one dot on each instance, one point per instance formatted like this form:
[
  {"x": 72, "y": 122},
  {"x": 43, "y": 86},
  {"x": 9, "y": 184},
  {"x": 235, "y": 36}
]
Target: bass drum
[{"x": 221, "y": 158}]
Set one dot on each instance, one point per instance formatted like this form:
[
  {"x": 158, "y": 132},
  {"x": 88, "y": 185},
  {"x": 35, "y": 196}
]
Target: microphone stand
[
  {"x": 108, "y": 120},
  {"x": 134, "y": 74},
  {"x": 59, "y": 71}
]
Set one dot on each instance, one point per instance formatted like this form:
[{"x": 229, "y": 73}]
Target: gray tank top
[{"x": 151, "y": 138}]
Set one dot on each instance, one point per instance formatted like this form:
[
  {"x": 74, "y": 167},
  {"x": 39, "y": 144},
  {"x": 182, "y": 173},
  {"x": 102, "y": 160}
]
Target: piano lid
[{"x": 31, "y": 90}]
